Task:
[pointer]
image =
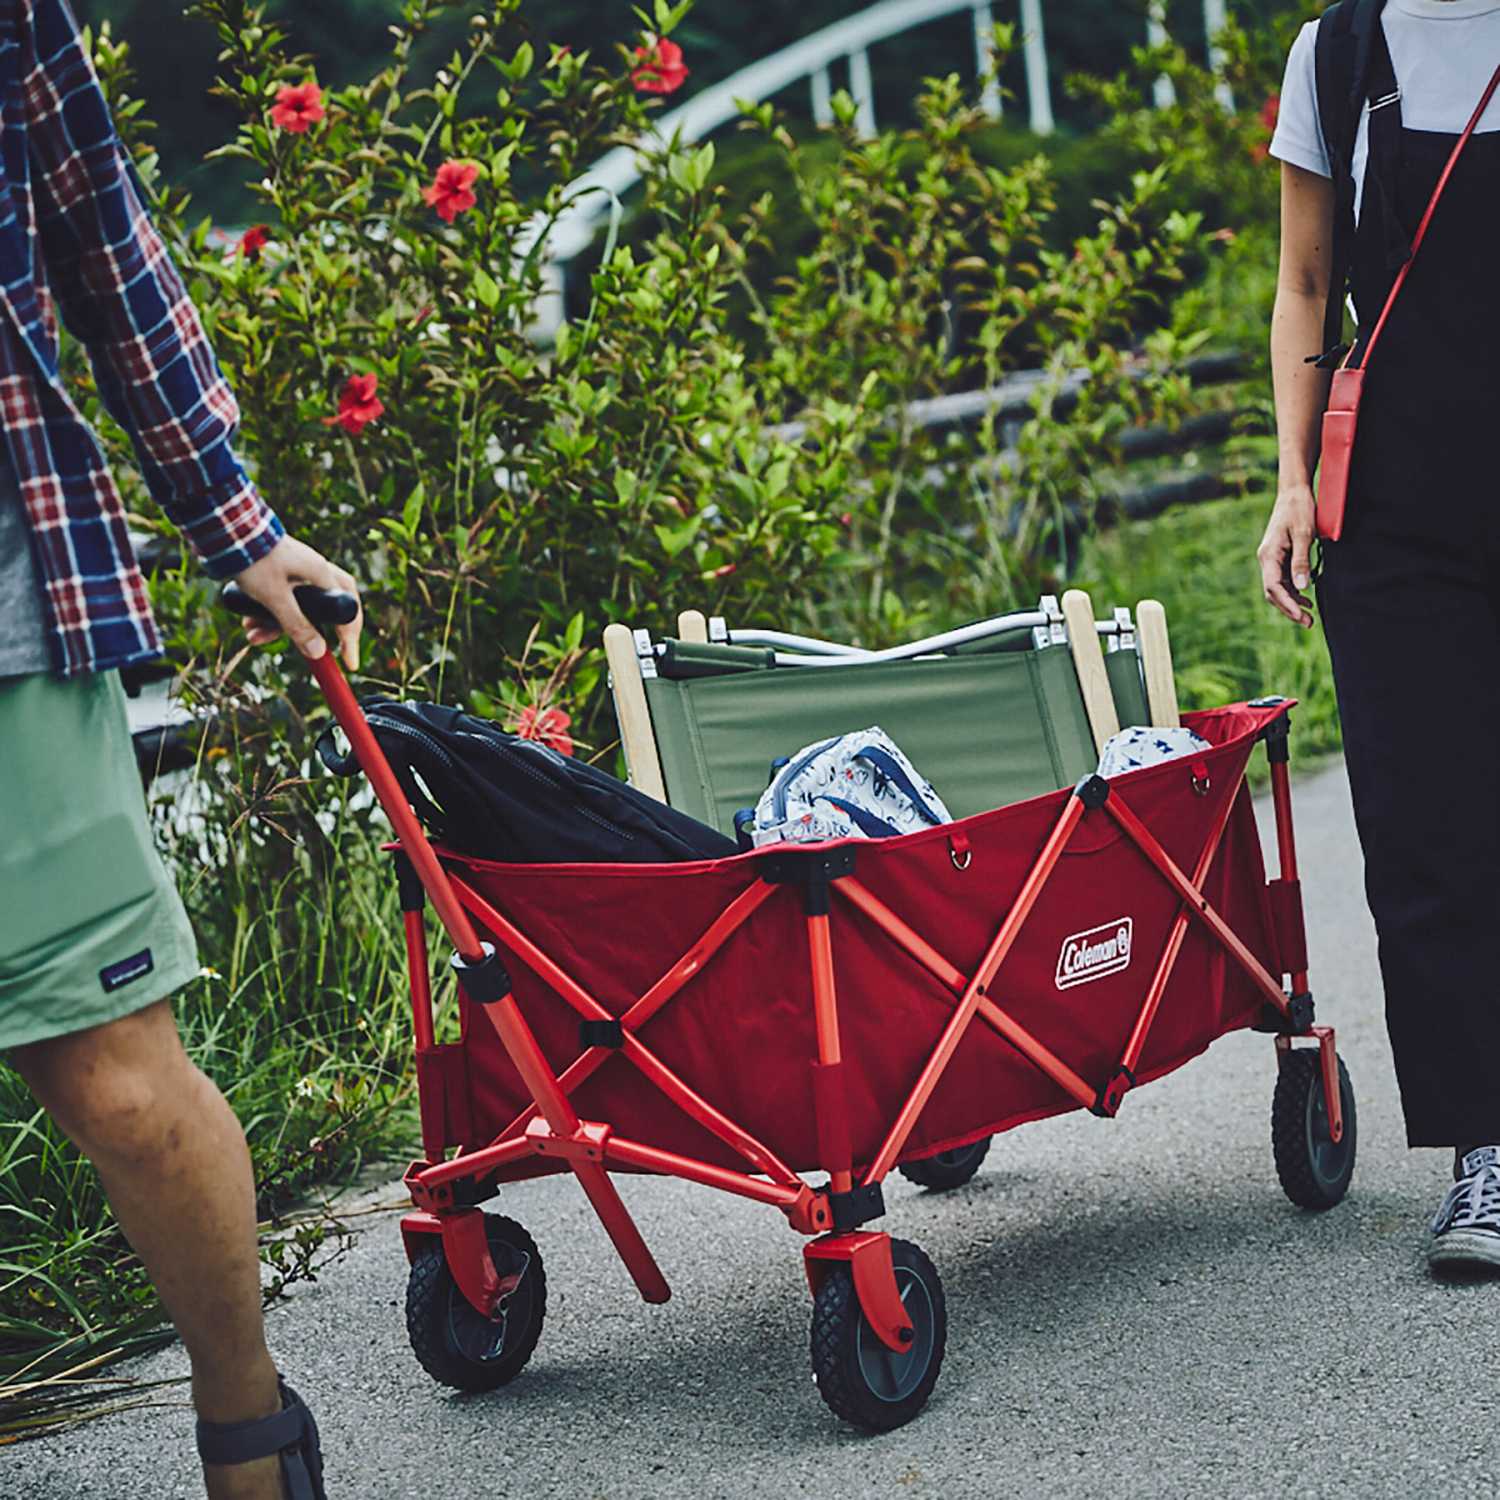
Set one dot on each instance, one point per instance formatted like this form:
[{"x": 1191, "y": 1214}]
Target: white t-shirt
[{"x": 1443, "y": 51}]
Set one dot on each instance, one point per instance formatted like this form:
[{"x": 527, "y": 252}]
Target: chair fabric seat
[{"x": 986, "y": 729}]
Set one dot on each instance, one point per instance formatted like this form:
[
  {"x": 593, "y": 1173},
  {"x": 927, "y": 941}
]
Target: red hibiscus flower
[
  {"x": 452, "y": 190},
  {"x": 298, "y": 107},
  {"x": 358, "y": 405},
  {"x": 1270, "y": 111},
  {"x": 549, "y": 725},
  {"x": 659, "y": 68},
  {"x": 253, "y": 241}
]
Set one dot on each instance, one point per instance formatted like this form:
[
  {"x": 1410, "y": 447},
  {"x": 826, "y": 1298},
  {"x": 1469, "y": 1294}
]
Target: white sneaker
[{"x": 1466, "y": 1230}]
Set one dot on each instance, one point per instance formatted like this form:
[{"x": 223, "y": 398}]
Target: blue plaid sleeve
[{"x": 121, "y": 296}]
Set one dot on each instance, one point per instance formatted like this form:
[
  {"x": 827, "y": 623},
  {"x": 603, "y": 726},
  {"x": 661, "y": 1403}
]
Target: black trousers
[{"x": 1410, "y": 602}]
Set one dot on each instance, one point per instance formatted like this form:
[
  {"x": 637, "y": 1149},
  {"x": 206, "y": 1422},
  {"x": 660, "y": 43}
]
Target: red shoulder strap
[{"x": 1432, "y": 203}]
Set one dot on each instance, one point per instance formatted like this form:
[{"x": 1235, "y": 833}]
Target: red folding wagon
[{"x": 792, "y": 1023}]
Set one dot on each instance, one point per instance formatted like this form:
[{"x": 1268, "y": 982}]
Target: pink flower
[
  {"x": 253, "y": 241},
  {"x": 549, "y": 725},
  {"x": 358, "y": 405},
  {"x": 659, "y": 68},
  {"x": 298, "y": 107},
  {"x": 723, "y": 570},
  {"x": 451, "y": 193}
]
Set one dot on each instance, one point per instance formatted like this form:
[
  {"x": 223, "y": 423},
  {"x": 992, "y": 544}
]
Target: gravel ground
[{"x": 1134, "y": 1309}]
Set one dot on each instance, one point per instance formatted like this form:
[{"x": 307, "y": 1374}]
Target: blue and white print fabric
[
  {"x": 856, "y": 785},
  {"x": 1131, "y": 749}
]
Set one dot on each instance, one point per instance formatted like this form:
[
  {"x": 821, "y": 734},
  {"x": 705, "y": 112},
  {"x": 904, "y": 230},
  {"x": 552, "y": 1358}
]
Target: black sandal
[{"x": 291, "y": 1432}]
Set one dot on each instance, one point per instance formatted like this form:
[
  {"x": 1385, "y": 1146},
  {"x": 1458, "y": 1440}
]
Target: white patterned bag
[
  {"x": 1131, "y": 749},
  {"x": 856, "y": 785}
]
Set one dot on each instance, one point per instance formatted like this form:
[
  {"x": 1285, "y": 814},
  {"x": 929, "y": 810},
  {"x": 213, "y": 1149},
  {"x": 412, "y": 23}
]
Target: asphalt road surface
[{"x": 1134, "y": 1310}]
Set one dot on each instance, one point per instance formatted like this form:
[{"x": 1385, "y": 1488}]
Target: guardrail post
[
  {"x": 1156, "y": 34},
  {"x": 984, "y": 62},
  {"x": 1215, "y": 17},
  {"x": 822, "y": 94},
  {"x": 1034, "y": 51},
  {"x": 863, "y": 89}
]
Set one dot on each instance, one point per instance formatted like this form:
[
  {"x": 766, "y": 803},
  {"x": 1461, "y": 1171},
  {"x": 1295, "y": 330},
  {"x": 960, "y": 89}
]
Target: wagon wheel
[
  {"x": 947, "y": 1169},
  {"x": 1314, "y": 1168},
  {"x": 862, "y": 1380},
  {"x": 453, "y": 1342}
]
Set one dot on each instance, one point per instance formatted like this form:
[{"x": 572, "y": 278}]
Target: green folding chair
[{"x": 992, "y": 713}]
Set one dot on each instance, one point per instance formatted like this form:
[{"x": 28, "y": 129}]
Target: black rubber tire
[
  {"x": 862, "y": 1381},
  {"x": 1314, "y": 1171},
  {"x": 452, "y": 1342},
  {"x": 948, "y": 1169}
]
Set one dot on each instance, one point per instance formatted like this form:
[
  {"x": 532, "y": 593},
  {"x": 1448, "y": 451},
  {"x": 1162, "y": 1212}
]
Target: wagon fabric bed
[{"x": 789, "y": 1024}]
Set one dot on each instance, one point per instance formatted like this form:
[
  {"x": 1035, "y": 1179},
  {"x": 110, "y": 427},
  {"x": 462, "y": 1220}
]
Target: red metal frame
[
  {"x": 868, "y": 1256},
  {"x": 549, "y": 1135},
  {"x": 1328, "y": 1057}
]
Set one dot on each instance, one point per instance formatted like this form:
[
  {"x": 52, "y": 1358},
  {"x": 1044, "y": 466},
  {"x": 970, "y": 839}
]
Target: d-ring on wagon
[{"x": 847, "y": 1007}]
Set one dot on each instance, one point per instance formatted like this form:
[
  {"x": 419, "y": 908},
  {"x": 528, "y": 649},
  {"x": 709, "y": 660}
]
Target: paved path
[{"x": 1135, "y": 1310}]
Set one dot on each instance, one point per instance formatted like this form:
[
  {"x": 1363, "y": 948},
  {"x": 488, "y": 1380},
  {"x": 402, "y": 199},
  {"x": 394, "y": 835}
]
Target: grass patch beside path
[{"x": 1227, "y": 643}]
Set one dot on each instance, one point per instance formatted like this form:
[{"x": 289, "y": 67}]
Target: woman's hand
[{"x": 1283, "y": 553}]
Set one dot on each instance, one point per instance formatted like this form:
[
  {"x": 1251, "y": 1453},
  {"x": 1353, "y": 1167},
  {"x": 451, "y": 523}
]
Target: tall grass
[{"x": 1227, "y": 643}]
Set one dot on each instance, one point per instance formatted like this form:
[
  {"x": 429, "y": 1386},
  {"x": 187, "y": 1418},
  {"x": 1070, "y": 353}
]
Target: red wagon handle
[
  {"x": 482, "y": 978},
  {"x": 334, "y": 607}
]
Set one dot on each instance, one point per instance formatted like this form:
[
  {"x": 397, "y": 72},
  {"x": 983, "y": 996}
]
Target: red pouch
[{"x": 1339, "y": 420}]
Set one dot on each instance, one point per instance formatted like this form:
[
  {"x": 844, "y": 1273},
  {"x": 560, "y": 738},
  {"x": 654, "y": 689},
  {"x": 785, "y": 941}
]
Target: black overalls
[{"x": 1410, "y": 600}]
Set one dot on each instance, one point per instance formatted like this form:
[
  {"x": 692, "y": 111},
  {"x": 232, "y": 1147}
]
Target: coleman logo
[{"x": 1093, "y": 954}]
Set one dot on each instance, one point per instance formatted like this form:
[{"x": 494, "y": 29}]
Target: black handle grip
[{"x": 321, "y": 606}]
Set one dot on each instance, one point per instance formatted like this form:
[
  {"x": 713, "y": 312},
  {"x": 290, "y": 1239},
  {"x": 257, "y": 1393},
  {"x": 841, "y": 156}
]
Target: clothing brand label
[
  {"x": 1101, "y": 950},
  {"x": 137, "y": 966}
]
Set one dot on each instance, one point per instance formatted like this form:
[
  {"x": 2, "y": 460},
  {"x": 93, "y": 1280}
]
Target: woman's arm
[{"x": 1301, "y": 389}]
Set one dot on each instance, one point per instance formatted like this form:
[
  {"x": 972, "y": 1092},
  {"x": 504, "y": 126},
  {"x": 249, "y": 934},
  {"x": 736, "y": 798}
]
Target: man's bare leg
[{"x": 172, "y": 1158}]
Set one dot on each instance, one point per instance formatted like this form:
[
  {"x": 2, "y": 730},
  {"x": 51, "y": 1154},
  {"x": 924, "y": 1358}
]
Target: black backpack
[
  {"x": 481, "y": 791},
  {"x": 1348, "y": 32}
]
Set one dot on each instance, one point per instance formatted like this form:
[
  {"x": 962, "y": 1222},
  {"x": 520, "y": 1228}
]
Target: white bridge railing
[{"x": 811, "y": 60}]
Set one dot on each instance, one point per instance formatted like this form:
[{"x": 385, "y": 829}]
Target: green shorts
[{"x": 91, "y": 926}]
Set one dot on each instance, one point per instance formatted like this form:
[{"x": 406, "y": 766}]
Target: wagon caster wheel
[
  {"x": 947, "y": 1169},
  {"x": 1313, "y": 1168},
  {"x": 452, "y": 1341},
  {"x": 863, "y": 1381}
]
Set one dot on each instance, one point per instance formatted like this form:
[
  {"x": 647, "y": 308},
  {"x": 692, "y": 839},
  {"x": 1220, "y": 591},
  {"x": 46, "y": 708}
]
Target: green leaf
[
  {"x": 411, "y": 512},
  {"x": 486, "y": 288},
  {"x": 519, "y": 65},
  {"x": 674, "y": 538}
]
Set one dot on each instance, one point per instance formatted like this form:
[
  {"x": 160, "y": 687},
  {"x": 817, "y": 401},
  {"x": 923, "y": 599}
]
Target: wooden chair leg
[
  {"x": 636, "y": 734},
  {"x": 1088, "y": 662},
  {"x": 692, "y": 625},
  {"x": 1156, "y": 663}
]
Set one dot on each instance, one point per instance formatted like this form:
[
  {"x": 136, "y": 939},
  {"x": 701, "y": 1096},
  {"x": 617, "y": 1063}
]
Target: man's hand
[
  {"x": 271, "y": 579},
  {"x": 1283, "y": 553}
]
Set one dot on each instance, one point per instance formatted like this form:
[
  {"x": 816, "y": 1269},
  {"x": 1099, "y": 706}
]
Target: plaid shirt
[{"x": 73, "y": 230}]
